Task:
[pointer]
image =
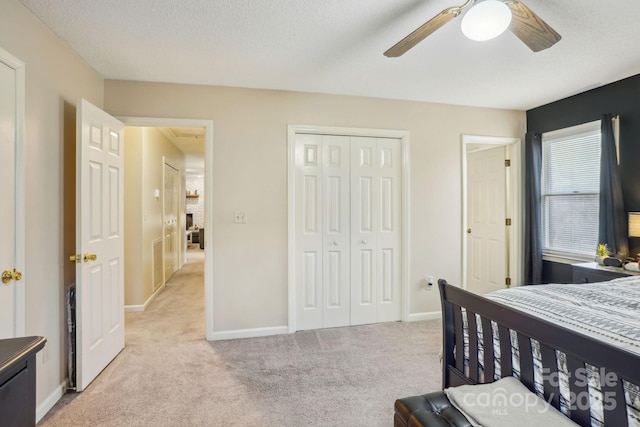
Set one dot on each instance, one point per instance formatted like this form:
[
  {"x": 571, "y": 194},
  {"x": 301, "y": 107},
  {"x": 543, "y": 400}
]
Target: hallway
[{"x": 177, "y": 314}]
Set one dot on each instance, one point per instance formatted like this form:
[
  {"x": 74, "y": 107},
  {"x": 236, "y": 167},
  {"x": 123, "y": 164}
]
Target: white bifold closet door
[
  {"x": 375, "y": 230},
  {"x": 348, "y": 230}
]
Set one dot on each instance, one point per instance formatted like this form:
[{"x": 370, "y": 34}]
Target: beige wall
[
  {"x": 55, "y": 78},
  {"x": 145, "y": 149},
  {"x": 250, "y": 174},
  {"x": 134, "y": 277}
]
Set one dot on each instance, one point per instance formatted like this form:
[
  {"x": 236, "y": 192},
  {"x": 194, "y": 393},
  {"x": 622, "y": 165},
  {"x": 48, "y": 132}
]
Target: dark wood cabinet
[
  {"x": 591, "y": 272},
  {"x": 18, "y": 380}
]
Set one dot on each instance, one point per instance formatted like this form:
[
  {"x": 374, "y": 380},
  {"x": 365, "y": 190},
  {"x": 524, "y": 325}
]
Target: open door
[
  {"x": 99, "y": 241},
  {"x": 487, "y": 196},
  {"x": 12, "y": 288}
]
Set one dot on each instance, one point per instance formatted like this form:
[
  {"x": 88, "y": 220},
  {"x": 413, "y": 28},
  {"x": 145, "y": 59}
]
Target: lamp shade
[
  {"x": 634, "y": 224},
  {"x": 486, "y": 20}
]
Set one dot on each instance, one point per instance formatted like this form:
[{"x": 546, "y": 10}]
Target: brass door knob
[
  {"x": 86, "y": 258},
  {"x": 468, "y": 231},
  {"x": 9, "y": 275}
]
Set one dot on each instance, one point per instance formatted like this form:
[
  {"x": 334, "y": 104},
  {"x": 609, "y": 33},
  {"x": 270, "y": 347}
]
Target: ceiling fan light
[{"x": 486, "y": 20}]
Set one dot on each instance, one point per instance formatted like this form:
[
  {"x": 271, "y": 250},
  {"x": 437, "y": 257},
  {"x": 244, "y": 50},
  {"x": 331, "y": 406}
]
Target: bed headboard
[{"x": 613, "y": 364}]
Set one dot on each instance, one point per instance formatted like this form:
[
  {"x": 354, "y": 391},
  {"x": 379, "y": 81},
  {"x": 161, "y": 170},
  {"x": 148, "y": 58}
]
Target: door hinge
[
  {"x": 507, "y": 221},
  {"x": 507, "y": 281},
  {"x": 507, "y": 163}
]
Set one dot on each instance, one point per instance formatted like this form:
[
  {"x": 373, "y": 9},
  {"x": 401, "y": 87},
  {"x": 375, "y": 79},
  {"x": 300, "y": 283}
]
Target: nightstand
[{"x": 590, "y": 272}]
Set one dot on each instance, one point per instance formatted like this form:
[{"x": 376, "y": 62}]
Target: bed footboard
[{"x": 484, "y": 340}]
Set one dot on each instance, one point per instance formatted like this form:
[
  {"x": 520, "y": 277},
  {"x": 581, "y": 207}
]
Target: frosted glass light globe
[{"x": 486, "y": 20}]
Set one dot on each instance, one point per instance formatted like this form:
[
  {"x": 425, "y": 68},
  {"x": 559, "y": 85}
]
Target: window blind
[{"x": 570, "y": 190}]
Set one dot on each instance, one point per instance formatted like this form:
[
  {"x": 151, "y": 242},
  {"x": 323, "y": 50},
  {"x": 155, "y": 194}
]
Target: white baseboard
[
  {"x": 143, "y": 307},
  {"x": 50, "y": 401},
  {"x": 428, "y": 315},
  {"x": 249, "y": 333}
]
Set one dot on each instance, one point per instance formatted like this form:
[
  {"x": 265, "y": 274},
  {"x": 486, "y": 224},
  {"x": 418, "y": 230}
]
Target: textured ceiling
[{"x": 336, "y": 46}]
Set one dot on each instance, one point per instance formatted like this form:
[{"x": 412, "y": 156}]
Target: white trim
[
  {"x": 143, "y": 307},
  {"x": 403, "y": 135},
  {"x": 566, "y": 259},
  {"x": 250, "y": 333},
  {"x": 208, "y": 201},
  {"x": 427, "y": 315},
  {"x": 562, "y": 133},
  {"x": 50, "y": 401},
  {"x": 164, "y": 228},
  {"x": 20, "y": 307},
  {"x": 515, "y": 206}
]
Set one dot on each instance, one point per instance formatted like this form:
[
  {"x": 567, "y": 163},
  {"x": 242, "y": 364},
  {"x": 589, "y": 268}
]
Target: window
[{"x": 571, "y": 191}]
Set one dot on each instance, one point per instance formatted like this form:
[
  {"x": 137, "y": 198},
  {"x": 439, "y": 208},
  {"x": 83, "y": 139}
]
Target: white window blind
[{"x": 571, "y": 190}]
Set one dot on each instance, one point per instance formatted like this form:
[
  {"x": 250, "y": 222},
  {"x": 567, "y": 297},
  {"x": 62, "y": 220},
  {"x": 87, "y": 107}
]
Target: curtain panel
[
  {"x": 533, "y": 213},
  {"x": 613, "y": 217}
]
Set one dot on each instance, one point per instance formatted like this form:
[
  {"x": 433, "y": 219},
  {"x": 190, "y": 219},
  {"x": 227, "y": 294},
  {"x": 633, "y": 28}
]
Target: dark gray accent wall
[{"x": 622, "y": 98}]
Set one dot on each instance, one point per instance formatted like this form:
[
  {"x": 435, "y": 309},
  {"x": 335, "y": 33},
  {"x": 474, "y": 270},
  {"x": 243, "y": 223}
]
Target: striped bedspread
[{"x": 608, "y": 311}]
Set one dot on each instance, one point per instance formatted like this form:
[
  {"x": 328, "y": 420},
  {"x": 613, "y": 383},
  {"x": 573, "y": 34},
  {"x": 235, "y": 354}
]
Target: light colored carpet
[{"x": 168, "y": 375}]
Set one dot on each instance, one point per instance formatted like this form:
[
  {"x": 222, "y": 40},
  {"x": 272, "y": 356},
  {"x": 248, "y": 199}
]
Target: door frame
[
  {"x": 403, "y": 136},
  {"x": 514, "y": 205},
  {"x": 208, "y": 201},
  {"x": 20, "y": 299}
]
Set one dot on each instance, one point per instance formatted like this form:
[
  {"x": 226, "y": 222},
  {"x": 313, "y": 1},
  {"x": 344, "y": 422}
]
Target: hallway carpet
[{"x": 168, "y": 375}]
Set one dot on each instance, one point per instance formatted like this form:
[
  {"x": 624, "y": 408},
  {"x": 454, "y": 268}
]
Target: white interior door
[
  {"x": 389, "y": 230},
  {"x": 11, "y": 288},
  {"x": 322, "y": 215},
  {"x": 376, "y": 234},
  {"x": 99, "y": 241},
  {"x": 170, "y": 222},
  {"x": 309, "y": 236},
  {"x": 348, "y": 230},
  {"x": 336, "y": 236},
  {"x": 486, "y": 214},
  {"x": 365, "y": 177}
]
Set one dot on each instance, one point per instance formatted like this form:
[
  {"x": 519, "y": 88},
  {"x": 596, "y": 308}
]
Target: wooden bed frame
[{"x": 613, "y": 364}]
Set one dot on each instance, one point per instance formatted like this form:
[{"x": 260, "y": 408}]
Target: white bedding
[{"x": 608, "y": 311}]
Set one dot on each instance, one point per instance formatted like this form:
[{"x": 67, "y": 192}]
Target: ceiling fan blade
[
  {"x": 530, "y": 28},
  {"x": 422, "y": 32}
]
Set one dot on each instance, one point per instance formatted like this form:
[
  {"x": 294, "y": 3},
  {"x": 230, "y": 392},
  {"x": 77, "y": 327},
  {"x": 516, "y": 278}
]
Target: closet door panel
[
  {"x": 389, "y": 230},
  {"x": 365, "y": 218},
  {"x": 309, "y": 230},
  {"x": 336, "y": 235}
]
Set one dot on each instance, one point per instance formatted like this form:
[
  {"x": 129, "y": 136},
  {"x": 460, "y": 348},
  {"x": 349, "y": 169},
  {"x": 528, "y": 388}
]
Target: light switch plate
[{"x": 240, "y": 217}]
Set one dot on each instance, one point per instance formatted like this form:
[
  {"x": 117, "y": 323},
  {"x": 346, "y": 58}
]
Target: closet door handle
[
  {"x": 363, "y": 242},
  {"x": 335, "y": 243}
]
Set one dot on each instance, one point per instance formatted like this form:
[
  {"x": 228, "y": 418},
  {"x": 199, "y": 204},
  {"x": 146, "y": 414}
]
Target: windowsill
[{"x": 566, "y": 258}]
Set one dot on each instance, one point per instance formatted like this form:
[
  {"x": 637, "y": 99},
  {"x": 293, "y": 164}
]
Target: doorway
[
  {"x": 491, "y": 213},
  {"x": 207, "y": 125}
]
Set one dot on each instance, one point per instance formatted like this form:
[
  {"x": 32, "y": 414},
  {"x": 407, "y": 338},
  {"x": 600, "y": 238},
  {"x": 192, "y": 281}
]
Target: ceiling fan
[{"x": 522, "y": 22}]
